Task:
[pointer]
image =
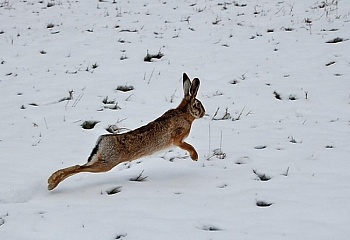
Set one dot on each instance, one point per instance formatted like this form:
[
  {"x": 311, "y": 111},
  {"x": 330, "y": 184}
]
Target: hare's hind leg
[
  {"x": 97, "y": 162},
  {"x": 60, "y": 175}
]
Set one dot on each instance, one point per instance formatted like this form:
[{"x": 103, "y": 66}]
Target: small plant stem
[
  {"x": 209, "y": 140},
  {"x": 46, "y": 123},
  {"x": 217, "y": 110},
  {"x": 220, "y": 140},
  {"x": 149, "y": 80}
]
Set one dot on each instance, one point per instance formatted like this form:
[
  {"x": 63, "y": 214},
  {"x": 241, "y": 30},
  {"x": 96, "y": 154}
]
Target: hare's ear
[
  {"x": 194, "y": 87},
  {"x": 186, "y": 84}
]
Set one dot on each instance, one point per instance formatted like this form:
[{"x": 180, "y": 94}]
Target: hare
[{"x": 168, "y": 130}]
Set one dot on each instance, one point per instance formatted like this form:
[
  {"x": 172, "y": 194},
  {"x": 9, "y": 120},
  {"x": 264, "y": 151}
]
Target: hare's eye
[{"x": 196, "y": 103}]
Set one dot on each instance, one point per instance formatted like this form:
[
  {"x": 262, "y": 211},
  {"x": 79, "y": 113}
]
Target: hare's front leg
[{"x": 189, "y": 148}]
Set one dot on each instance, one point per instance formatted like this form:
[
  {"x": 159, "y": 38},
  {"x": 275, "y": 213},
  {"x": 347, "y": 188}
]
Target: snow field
[{"x": 277, "y": 106}]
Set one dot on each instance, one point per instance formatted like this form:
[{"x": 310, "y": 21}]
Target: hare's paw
[
  {"x": 60, "y": 175},
  {"x": 52, "y": 182},
  {"x": 55, "y": 179},
  {"x": 194, "y": 155},
  {"x": 189, "y": 148},
  {"x": 52, "y": 185}
]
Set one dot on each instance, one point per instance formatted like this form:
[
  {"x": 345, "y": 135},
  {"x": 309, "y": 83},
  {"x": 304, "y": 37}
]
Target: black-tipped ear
[
  {"x": 194, "y": 87},
  {"x": 186, "y": 84}
]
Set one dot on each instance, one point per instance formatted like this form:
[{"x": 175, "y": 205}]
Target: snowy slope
[{"x": 276, "y": 91}]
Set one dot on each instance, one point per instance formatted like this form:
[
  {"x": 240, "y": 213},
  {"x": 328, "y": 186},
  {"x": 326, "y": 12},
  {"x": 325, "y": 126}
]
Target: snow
[{"x": 243, "y": 52}]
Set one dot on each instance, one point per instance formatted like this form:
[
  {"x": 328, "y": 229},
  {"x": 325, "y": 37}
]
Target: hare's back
[
  {"x": 137, "y": 143},
  {"x": 146, "y": 140}
]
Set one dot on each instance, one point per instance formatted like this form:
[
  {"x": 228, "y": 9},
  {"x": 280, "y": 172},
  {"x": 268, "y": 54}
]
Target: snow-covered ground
[{"x": 274, "y": 145}]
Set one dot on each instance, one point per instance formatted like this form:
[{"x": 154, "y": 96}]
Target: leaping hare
[{"x": 169, "y": 129}]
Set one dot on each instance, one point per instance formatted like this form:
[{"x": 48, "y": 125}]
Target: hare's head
[{"x": 190, "y": 103}]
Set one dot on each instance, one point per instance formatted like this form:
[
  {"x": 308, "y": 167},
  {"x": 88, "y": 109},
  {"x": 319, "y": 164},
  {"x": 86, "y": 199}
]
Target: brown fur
[{"x": 168, "y": 130}]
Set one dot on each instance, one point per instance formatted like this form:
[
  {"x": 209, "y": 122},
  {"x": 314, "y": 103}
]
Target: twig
[
  {"x": 248, "y": 113},
  {"x": 220, "y": 140},
  {"x": 77, "y": 121},
  {"x": 173, "y": 96},
  {"x": 217, "y": 110},
  {"x": 120, "y": 120},
  {"x": 75, "y": 103},
  {"x": 279, "y": 10},
  {"x": 261, "y": 176},
  {"x": 149, "y": 80},
  {"x": 226, "y": 116},
  {"x": 139, "y": 178},
  {"x": 239, "y": 115},
  {"x": 286, "y": 173},
  {"x": 129, "y": 97},
  {"x": 209, "y": 141},
  {"x": 46, "y": 123},
  {"x": 216, "y": 152},
  {"x": 114, "y": 190},
  {"x": 35, "y": 144},
  {"x": 70, "y": 97}
]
